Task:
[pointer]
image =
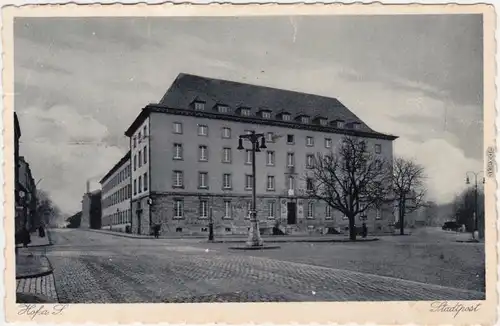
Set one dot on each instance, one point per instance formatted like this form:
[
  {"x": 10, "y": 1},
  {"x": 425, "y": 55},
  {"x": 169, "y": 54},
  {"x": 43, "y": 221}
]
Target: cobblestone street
[{"x": 90, "y": 267}]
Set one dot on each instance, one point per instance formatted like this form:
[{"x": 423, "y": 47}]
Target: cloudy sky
[{"x": 80, "y": 82}]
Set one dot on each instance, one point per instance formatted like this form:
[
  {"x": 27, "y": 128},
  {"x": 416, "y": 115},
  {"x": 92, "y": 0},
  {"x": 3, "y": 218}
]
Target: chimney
[{"x": 88, "y": 186}]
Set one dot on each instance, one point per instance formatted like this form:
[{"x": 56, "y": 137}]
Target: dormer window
[
  {"x": 245, "y": 112},
  {"x": 304, "y": 119},
  {"x": 338, "y": 124},
  {"x": 222, "y": 109},
  {"x": 322, "y": 122},
  {"x": 356, "y": 125},
  {"x": 286, "y": 117},
  {"x": 199, "y": 106},
  {"x": 265, "y": 114}
]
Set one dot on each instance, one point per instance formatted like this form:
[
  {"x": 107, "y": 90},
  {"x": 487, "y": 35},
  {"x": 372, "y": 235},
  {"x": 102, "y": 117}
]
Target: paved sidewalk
[
  {"x": 36, "y": 290},
  {"x": 37, "y": 241},
  {"x": 243, "y": 238},
  {"x": 29, "y": 265}
]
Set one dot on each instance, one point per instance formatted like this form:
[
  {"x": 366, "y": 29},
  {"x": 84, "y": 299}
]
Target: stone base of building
[{"x": 159, "y": 210}]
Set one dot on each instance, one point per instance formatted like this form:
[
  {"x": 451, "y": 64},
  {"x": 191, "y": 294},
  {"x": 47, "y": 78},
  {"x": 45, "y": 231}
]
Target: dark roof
[
  {"x": 17, "y": 127},
  {"x": 116, "y": 167},
  {"x": 187, "y": 88}
]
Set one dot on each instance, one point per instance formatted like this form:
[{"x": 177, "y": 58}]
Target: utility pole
[{"x": 476, "y": 209}]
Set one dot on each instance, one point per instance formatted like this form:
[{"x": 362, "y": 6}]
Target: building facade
[
  {"x": 116, "y": 193},
  {"x": 187, "y": 169},
  {"x": 91, "y": 210},
  {"x": 27, "y": 196},
  {"x": 19, "y": 212}
]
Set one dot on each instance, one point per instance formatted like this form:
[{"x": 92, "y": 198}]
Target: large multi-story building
[
  {"x": 28, "y": 197},
  {"x": 186, "y": 168},
  {"x": 116, "y": 192}
]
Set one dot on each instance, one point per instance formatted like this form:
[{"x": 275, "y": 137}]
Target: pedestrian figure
[
  {"x": 364, "y": 230},
  {"x": 156, "y": 230},
  {"x": 41, "y": 232},
  {"x": 26, "y": 238}
]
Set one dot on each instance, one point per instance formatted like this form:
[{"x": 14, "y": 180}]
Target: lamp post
[
  {"x": 254, "y": 239},
  {"x": 467, "y": 181}
]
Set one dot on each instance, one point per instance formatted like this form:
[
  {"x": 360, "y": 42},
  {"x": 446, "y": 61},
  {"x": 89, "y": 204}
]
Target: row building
[{"x": 184, "y": 169}]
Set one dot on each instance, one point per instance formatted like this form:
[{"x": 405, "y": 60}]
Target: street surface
[{"x": 91, "y": 267}]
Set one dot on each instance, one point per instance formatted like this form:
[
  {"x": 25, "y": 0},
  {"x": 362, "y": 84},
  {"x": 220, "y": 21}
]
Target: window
[
  {"x": 309, "y": 184},
  {"x": 177, "y": 128},
  {"x": 145, "y": 181},
  {"x": 178, "y": 229},
  {"x": 309, "y": 141},
  {"x": 340, "y": 124},
  {"x": 177, "y": 151},
  {"x": 203, "y": 153},
  {"x": 270, "y": 158},
  {"x": 199, "y": 106},
  {"x": 286, "y": 117},
  {"x": 271, "y": 209},
  {"x": 248, "y": 159},
  {"x": 322, "y": 122},
  {"x": 144, "y": 131},
  {"x": 248, "y": 181},
  {"x": 226, "y": 155},
  {"x": 310, "y": 209},
  {"x": 245, "y": 112},
  {"x": 289, "y": 139},
  {"x": 135, "y": 162},
  {"x": 291, "y": 183},
  {"x": 227, "y": 209},
  {"x": 328, "y": 142},
  {"x": 202, "y": 130},
  {"x": 135, "y": 187},
  {"x": 203, "y": 180},
  {"x": 310, "y": 161},
  {"x": 270, "y": 137},
  {"x": 178, "y": 179},
  {"x": 178, "y": 209},
  {"x": 140, "y": 184},
  {"x": 203, "y": 209},
  {"x": 378, "y": 148},
  {"x": 226, "y": 181},
  {"x": 378, "y": 214},
  {"x": 290, "y": 160},
  {"x": 328, "y": 212},
  {"x": 248, "y": 132},
  {"x": 305, "y": 119},
  {"x": 223, "y": 109},
  {"x": 134, "y": 141},
  {"x": 226, "y": 132},
  {"x": 356, "y": 126},
  {"x": 266, "y": 114},
  {"x": 139, "y": 156},
  {"x": 145, "y": 154},
  {"x": 270, "y": 182}
]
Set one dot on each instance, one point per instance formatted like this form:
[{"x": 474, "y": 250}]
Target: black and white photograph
[{"x": 237, "y": 159}]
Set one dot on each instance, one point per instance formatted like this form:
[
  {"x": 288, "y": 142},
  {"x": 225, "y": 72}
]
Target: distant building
[
  {"x": 27, "y": 196},
  {"x": 19, "y": 212},
  {"x": 91, "y": 210},
  {"x": 116, "y": 191},
  {"x": 185, "y": 162}
]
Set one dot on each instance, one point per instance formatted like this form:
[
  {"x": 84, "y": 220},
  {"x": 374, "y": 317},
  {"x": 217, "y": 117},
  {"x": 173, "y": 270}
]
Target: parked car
[{"x": 451, "y": 226}]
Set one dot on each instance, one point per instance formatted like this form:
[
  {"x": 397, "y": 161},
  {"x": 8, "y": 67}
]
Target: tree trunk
[
  {"x": 402, "y": 218},
  {"x": 352, "y": 228}
]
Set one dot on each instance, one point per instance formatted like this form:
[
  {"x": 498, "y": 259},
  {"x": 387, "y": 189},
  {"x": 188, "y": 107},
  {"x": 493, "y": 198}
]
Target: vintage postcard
[{"x": 250, "y": 164}]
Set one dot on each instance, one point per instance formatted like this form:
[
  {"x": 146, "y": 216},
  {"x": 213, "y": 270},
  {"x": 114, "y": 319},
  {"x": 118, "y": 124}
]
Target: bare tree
[
  {"x": 350, "y": 180},
  {"x": 47, "y": 211},
  {"x": 408, "y": 187}
]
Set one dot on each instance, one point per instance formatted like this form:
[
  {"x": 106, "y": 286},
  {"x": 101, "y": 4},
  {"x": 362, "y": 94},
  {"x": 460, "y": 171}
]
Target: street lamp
[
  {"x": 254, "y": 239},
  {"x": 467, "y": 181}
]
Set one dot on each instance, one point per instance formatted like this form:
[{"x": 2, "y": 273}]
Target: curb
[
  {"x": 35, "y": 275},
  {"x": 300, "y": 240}
]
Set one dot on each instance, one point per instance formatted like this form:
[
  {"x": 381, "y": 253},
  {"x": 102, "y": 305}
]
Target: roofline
[
  {"x": 115, "y": 167},
  {"x": 255, "y": 120},
  {"x": 17, "y": 126}
]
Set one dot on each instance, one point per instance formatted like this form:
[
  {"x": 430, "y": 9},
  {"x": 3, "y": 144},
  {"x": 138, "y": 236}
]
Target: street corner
[{"x": 32, "y": 266}]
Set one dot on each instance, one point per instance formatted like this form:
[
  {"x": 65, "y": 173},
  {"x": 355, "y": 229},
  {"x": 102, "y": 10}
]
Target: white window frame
[
  {"x": 226, "y": 155},
  {"x": 310, "y": 209},
  {"x": 304, "y": 119},
  {"x": 270, "y": 137},
  {"x": 271, "y": 209},
  {"x": 270, "y": 158},
  {"x": 323, "y": 122},
  {"x": 178, "y": 151},
  {"x": 378, "y": 213},
  {"x": 291, "y": 183},
  {"x": 290, "y": 159},
  {"x": 309, "y": 141},
  {"x": 286, "y": 117},
  {"x": 199, "y": 106},
  {"x": 178, "y": 208},
  {"x": 378, "y": 148},
  {"x": 177, "y": 127},
  {"x": 340, "y": 124},
  {"x": 203, "y": 209},
  {"x": 248, "y": 158},
  {"x": 248, "y": 185},
  {"x": 270, "y": 184},
  {"x": 293, "y": 139},
  {"x": 223, "y": 109},
  {"x": 245, "y": 112},
  {"x": 309, "y": 161},
  {"x": 179, "y": 179},
  {"x": 203, "y": 180},
  {"x": 266, "y": 114},
  {"x": 328, "y": 212},
  {"x": 226, "y": 181},
  {"x": 202, "y": 130},
  {"x": 227, "y": 209},
  {"x": 203, "y": 153},
  {"x": 226, "y": 132}
]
